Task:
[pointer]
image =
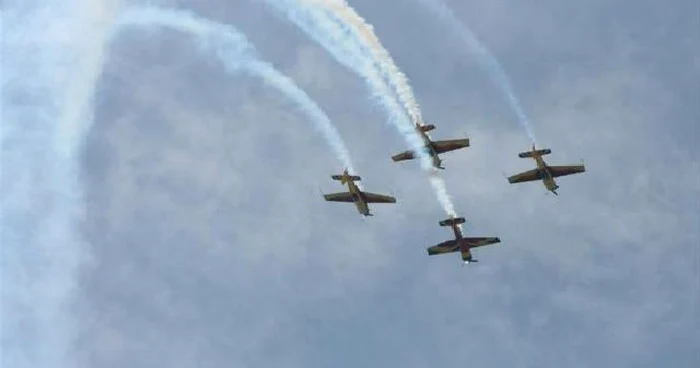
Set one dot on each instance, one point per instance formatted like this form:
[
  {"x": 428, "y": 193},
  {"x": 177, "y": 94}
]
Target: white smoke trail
[
  {"x": 52, "y": 56},
  {"x": 319, "y": 26},
  {"x": 368, "y": 40},
  {"x": 489, "y": 61},
  {"x": 239, "y": 55}
]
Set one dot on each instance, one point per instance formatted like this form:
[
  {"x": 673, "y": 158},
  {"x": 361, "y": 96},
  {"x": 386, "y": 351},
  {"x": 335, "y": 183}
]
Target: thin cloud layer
[{"x": 213, "y": 246}]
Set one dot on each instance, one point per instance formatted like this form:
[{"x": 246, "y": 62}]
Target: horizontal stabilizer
[
  {"x": 426, "y": 128},
  {"x": 345, "y": 178},
  {"x": 540, "y": 152},
  {"x": 452, "y": 221}
]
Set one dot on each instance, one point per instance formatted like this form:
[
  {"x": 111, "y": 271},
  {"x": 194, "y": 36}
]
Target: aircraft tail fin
[
  {"x": 534, "y": 152},
  {"x": 452, "y": 221}
]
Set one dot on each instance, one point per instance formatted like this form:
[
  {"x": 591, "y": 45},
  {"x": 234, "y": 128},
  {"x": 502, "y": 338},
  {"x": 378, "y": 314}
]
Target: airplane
[
  {"x": 460, "y": 243},
  {"x": 433, "y": 148},
  {"x": 543, "y": 171},
  {"x": 360, "y": 198}
]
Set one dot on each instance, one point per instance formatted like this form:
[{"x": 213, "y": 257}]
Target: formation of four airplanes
[{"x": 460, "y": 244}]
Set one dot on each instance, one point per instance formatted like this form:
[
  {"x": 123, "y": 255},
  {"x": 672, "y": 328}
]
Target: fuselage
[
  {"x": 463, "y": 244},
  {"x": 547, "y": 179},
  {"x": 359, "y": 199},
  {"x": 457, "y": 231},
  {"x": 428, "y": 147}
]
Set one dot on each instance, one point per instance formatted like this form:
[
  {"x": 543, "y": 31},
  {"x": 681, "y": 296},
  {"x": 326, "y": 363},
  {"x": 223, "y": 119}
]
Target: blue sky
[{"x": 211, "y": 245}]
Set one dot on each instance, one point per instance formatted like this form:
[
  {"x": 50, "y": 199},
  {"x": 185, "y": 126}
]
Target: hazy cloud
[{"x": 214, "y": 248}]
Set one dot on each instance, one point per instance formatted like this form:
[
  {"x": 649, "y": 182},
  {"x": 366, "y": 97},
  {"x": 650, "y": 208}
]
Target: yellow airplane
[
  {"x": 433, "y": 148},
  {"x": 543, "y": 171},
  {"x": 360, "y": 198},
  {"x": 460, "y": 243}
]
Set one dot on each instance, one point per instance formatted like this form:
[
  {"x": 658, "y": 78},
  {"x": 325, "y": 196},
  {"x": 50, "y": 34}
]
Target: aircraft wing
[
  {"x": 566, "y": 170},
  {"x": 339, "y": 197},
  {"x": 444, "y": 247},
  {"x": 529, "y": 175},
  {"x": 378, "y": 198},
  {"x": 407, "y": 155},
  {"x": 450, "y": 145},
  {"x": 480, "y": 242}
]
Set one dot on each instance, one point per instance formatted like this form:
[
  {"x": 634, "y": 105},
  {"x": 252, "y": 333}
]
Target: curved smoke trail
[
  {"x": 489, "y": 61},
  {"x": 52, "y": 56},
  {"x": 368, "y": 40},
  {"x": 348, "y": 51},
  {"x": 239, "y": 55}
]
